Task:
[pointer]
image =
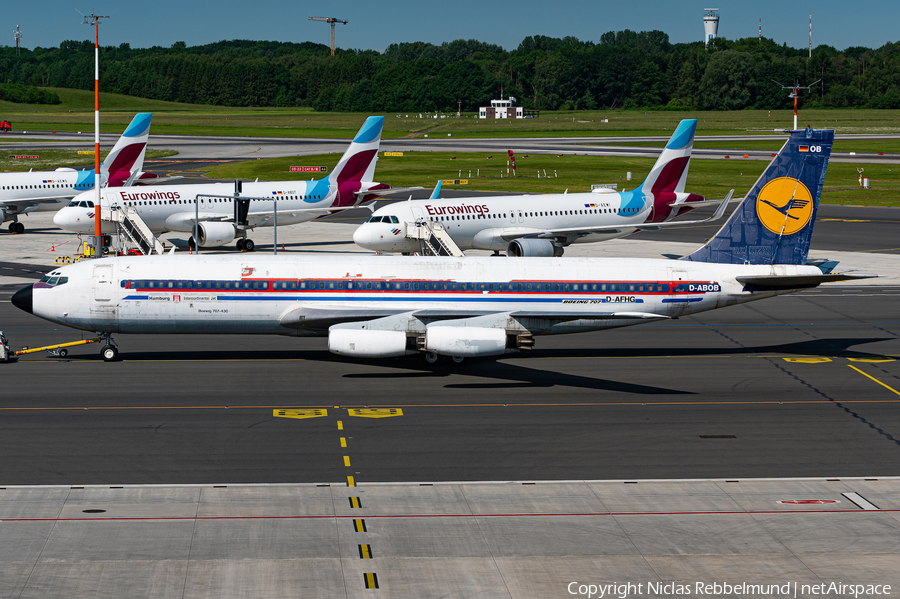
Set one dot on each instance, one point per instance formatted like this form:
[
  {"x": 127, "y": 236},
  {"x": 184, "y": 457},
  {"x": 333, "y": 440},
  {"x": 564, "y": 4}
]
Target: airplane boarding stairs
[
  {"x": 133, "y": 229},
  {"x": 433, "y": 239}
]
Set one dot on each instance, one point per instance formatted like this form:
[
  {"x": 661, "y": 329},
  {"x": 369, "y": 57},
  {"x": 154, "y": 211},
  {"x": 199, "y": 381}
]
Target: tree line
[
  {"x": 623, "y": 69},
  {"x": 27, "y": 94}
]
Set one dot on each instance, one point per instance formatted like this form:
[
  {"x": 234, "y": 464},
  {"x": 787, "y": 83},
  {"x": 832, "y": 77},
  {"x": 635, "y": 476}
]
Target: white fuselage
[
  {"x": 253, "y": 294},
  {"x": 48, "y": 189},
  {"x": 172, "y": 207},
  {"x": 490, "y": 223}
]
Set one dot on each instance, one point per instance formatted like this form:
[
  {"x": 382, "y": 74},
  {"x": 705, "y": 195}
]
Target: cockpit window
[
  {"x": 53, "y": 281},
  {"x": 374, "y": 219},
  {"x": 395, "y": 220},
  {"x": 45, "y": 279},
  {"x": 72, "y": 204}
]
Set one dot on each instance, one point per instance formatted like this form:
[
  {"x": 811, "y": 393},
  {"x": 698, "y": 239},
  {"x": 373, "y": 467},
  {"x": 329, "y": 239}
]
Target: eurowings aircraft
[
  {"x": 543, "y": 225},
  {"x": 21, "y": 193},
  {"x": 174, "y": 207},
  {"x": 389, "y": 306}
]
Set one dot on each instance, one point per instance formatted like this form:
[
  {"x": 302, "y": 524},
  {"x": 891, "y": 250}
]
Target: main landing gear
[
  {"x": 16, "y": 227},
  {"x": 109, "y": 353},
  {"x": 431, "y": 358},
  {"x": 245, "y": 245}
]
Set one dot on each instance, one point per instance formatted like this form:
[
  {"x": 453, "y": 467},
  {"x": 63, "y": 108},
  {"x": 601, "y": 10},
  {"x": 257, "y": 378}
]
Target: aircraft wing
[
  {"x": 183, "y": 218},
  {"x": 723, "y": 203},
  {"x": 322, "y": 317},
  {"x": 576, "y": 232},
  {"x": 20, "y": 206}
]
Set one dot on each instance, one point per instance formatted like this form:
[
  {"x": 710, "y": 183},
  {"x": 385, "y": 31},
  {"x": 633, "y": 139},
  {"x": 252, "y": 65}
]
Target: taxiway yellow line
[{"x": 874, "y": 379}]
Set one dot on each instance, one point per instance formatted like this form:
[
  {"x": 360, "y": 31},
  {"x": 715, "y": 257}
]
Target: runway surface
[
  {"x": 253, "y": 147},
  {"x": 805, "y": 385}
]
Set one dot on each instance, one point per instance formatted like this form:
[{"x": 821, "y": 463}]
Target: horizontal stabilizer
[
  {"x": 773, "y": 282},
  {"x": 385, "y": 192}
]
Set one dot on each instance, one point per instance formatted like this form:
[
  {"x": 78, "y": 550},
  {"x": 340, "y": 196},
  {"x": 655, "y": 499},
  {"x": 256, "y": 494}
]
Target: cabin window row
[
  {"x": 396, "y": 286},
  {"x": 213, "y": 200},
  {"x": 44, "y": 186},
  {"x": 448, "y": 217}
]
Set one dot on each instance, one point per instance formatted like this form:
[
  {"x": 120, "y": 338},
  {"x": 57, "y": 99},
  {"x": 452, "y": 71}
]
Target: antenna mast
[
  {"x": 18, "y": 35},
  {"x": 795, "y": 93}
]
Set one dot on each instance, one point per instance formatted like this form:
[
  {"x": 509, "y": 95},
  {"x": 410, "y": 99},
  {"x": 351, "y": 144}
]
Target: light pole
[{"x": 98, "y": 232}]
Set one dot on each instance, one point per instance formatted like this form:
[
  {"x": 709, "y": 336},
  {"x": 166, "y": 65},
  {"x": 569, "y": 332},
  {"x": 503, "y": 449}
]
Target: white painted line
[{"x": 859, "y": 500}]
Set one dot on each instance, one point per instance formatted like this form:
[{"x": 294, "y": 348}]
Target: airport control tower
[{"x": 710, "y": 23}]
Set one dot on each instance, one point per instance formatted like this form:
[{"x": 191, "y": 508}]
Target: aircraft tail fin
[
  {"x": 669, "y": 174},
  {"x": 358, "y": 162},
  {"x": 127, "y": 156},
  {"x": 774, "y": 223}
]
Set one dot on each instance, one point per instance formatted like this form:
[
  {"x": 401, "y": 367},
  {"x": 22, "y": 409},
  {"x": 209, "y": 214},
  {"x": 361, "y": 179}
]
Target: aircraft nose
[
  {"x": 24, "y": 300},
  {"x": 363, "y": 236},
  {"x": 59, "y": 219}
]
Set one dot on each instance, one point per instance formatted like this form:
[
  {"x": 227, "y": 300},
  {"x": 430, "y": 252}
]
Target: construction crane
[{"x": 331, "y": 20}]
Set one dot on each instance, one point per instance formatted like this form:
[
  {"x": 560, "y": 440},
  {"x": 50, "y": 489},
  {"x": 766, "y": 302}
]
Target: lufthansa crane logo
[{"x": 784, "y": 205}]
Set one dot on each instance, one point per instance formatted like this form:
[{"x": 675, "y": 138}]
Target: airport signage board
[
  {"x": 18, "y": 156},
  {"x": 393, "y": 153},
  {"x": 309, "y": 169}
]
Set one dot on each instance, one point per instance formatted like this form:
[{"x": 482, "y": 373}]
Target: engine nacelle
[
  {"x": 533, "y": 248},
  {"x": 215, "y": 234},
  {"x": 364, "y": 343},
  {"x": 465, "y": 341}
]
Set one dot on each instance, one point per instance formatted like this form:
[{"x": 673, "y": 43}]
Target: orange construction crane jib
[{"x": 332, "y": 21}]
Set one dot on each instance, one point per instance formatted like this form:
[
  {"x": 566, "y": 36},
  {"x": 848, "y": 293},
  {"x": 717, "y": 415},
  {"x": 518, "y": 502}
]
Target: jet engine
[
  {"x": 364, "y": 343},
  {"x": 215, "y": 234},
  {"x": 466, "y": 341},
  {"x": 533, "y": 248}
]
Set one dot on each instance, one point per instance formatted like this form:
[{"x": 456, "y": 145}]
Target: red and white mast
[{"x": 98, "y": 233}]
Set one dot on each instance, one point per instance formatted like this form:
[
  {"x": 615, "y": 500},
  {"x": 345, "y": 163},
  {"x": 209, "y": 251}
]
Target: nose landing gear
[{"x": 109, "y": 353}]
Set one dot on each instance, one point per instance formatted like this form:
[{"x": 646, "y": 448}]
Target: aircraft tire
[
  {"x": 458, "y": 359},
  {"x": 17, "y": 228},
  {"x": 431, "y": 357},
  {"x": 249, "y": 245},
  {"x": 63, "y": 353},
  {"x": 109, "y": 353},
  {"x": 191, "y": 243},
  {"x": 240, "y": 244}
]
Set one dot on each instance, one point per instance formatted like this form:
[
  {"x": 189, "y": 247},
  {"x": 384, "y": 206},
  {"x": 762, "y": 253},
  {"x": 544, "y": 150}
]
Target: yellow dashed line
[
  {"x": 347, "y": 461},
  {"x": 874, "y": 379},
  {"x": 365, "y": 551},
  {"x": 359, "y": 525},
  {"x": 351, "y": 482},
  {"x": 340, "y": 425},
  {"x": 354, "y": 502},
  {"x": 807, "y": 360},
  {"x": 375, "y": 412},
  {"x": 343, "y": 442},
  {"x": 371, "y": 580}
]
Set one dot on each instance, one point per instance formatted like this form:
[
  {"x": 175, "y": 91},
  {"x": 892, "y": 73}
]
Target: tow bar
[{"x": 59, "y": 349}]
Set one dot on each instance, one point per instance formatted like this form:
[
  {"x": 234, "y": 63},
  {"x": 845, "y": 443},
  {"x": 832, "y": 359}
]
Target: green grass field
[
  {"x": 76, "y": 113},
  {"x": 710, "y": 178},
  {"x": 50, "y": 159}
]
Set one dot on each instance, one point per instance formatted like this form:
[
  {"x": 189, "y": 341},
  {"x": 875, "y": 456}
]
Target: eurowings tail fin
[
  {"x": 127, "y": 156},
  {"x": 669, "y": 174},
  {"x": 358, "y": 162},
  {"x": 774, "y": 223}
]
